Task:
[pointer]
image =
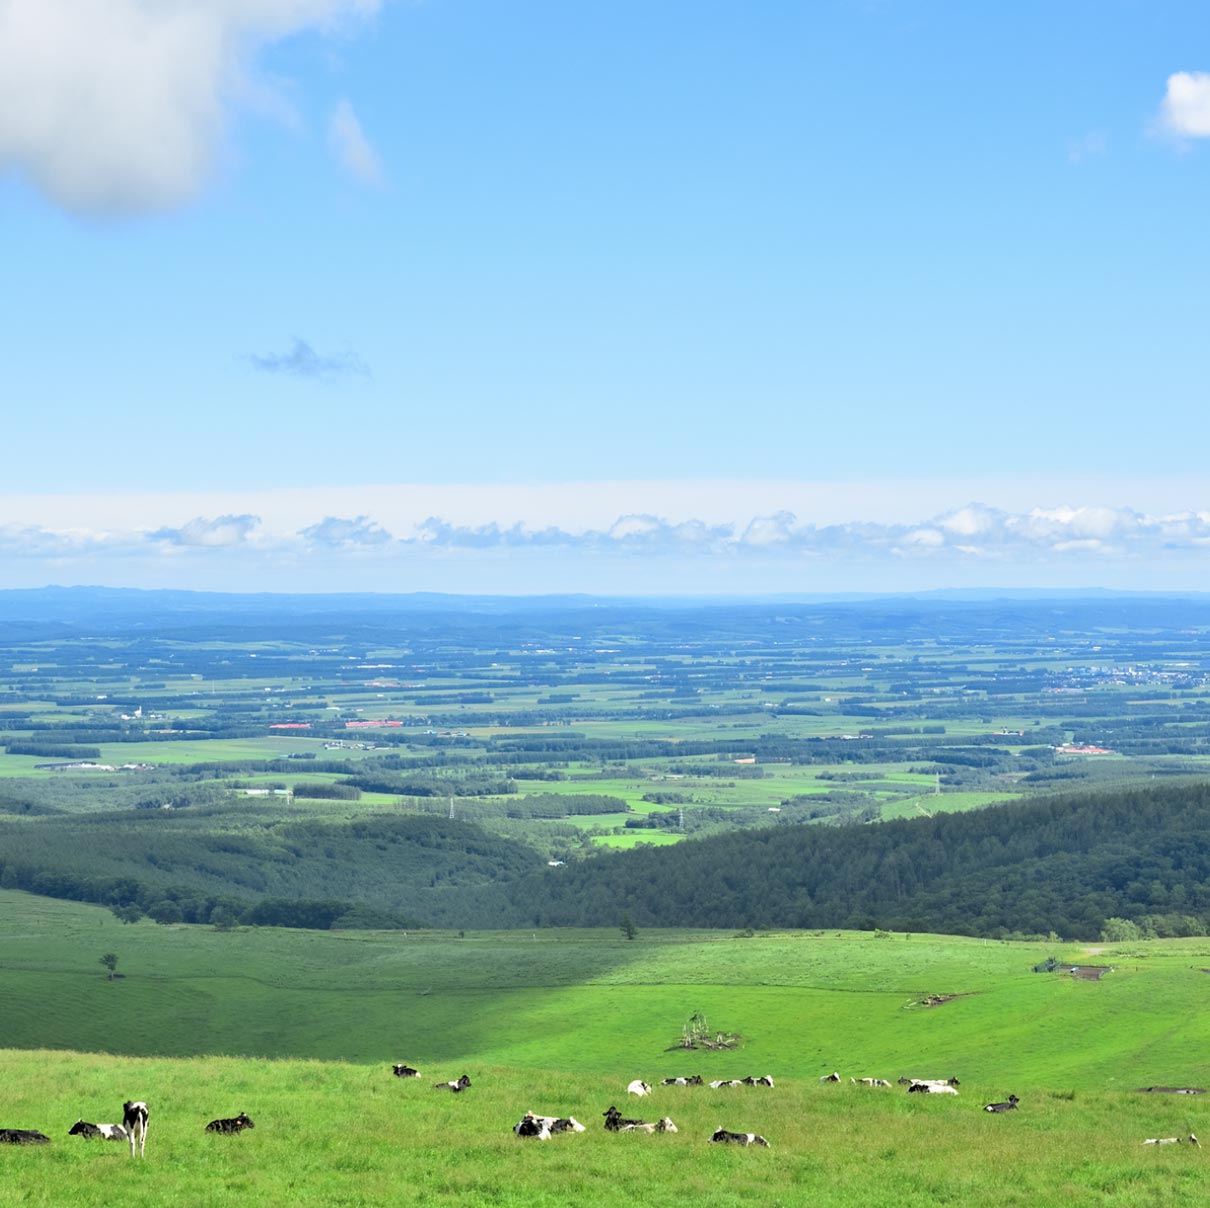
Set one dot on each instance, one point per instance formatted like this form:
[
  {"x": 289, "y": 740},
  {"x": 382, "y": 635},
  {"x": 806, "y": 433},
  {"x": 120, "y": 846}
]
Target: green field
[
  {"x": 560, "y": 1022},
  {"x": 591, "y": 1001}
]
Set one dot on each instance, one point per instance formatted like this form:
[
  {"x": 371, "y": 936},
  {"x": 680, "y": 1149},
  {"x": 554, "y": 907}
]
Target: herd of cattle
[{"x": 133, "y": 1128}]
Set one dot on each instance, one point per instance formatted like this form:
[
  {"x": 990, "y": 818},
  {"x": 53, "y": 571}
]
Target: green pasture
[
  {"x": 330, "y": 1133},
  {"x": 928, "y": 804},
  {"x": 806, "y": 1003},
  {"x": 636, "y": 838}
]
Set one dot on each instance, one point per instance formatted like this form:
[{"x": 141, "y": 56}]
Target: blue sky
[{"x": 462, "y": 295}]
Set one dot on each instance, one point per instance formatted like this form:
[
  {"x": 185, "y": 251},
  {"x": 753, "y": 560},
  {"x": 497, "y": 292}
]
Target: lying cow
[
  {"x": 726, "y": 1082},
  {"x": 405, "y": 1071},
  {"x": 638, "y": 1087},
  {"x": 1189, "y": 1140},
  {"x": 723, "y": 1137},
  {"x": 616, "y": 1122},
  {"x": 664, "y": 1126},
  {"x": 929, "y": 1082},
  {"x": 696, "y": 1080},
  {"x": 22, "y": 1136},
  {"x": 869, "y": 1082},
  {"x": 1010, "y": 1105},
  {"x": 764, "y": 1080},
  {"x": 833, "y": 1077},
  {"x": 460, "y": 1085},
  {"x": 931, "y": 1088},
  {"x": 545, "y": 1127},
  {"x": 97, "y": 1132},
  {"x": 233, "y": 1125}
]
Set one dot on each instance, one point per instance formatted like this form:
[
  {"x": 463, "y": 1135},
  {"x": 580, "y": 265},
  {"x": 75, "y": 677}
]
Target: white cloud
[
  {"x": 119, "y": 106},
  {"x": 220, "y": 533},
  {"x": 334, "y": 531},
  {"x": 1186, "y": 107},
  {"x": 351, "y": 147}
]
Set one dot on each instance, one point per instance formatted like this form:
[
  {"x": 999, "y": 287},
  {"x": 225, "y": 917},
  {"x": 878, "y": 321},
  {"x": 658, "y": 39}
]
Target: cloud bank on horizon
[{"x": 972, "y": 535}]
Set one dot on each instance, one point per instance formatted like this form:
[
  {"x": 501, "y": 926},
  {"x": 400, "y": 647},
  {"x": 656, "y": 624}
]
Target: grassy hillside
[{"x": 594, "y": 1003}]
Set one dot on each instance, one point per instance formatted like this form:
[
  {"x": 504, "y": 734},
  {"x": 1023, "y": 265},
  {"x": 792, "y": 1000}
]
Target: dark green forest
[{"x": 1060, "y": 864}]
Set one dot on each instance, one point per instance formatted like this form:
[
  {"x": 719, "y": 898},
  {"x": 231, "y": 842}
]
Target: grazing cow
[
  {"x": 545, "y": 1127},
  {"x": 638, "y": 1087},
  {"x": 723, "y": 1137},
  {"x": 1189, "y": 1140},
  {"x": 134, "y": 1121},
  {"x": 22, "y": 1136},
  {"x": 931, "y": 1088},
  {"x": 94, "y": 1132},
  {"x": 460, "y": 1085},
  {"x": 869, "y": 1082},
  {"x": 1010, "y": 1105},
  {"x": 404, "y": 1071},
  {"x": 233, "y": 1125},
  {"x": 696, "y": 1080},
  {"x": 833, "y": 1077}
]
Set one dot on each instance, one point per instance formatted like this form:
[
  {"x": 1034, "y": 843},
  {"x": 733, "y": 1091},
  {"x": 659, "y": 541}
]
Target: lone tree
[
  {"x": 629, "y": 930},
  {"x": 110, "y": 961}
]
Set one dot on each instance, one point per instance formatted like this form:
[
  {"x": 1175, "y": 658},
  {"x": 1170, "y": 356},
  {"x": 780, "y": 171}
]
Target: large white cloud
[
  {"x": 1186, "y": 107},
  {"x": 118, "y": 106}
]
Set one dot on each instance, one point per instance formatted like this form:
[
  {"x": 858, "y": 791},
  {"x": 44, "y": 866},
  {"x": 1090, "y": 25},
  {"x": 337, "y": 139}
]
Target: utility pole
[{"x": 451, "y": 805}]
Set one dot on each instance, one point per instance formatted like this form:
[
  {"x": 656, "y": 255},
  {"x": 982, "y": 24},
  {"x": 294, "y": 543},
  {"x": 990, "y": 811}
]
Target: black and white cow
[
  {"x": 833, "y": 1077},
  {"x": 232, "y": 1125},
  {"x": 1009, "y": 1105},
  {"x": 869, "y": 1082},
  {"x": 460, "y": 1085},
  {"x": 726, "y": 1082},
  {"x": 910, "y": 1082},
  {"x": 545, "y": 1127},
  {"x": 638, "y": 1087},
  {"x": 134, "y": 1121},
  {"x": 1189, "y": 1140},
  {"x": 696, "y": 1080},
  {"x": 662, "y": 1126},
  {"x": 932, "y": 1088},
  {"x": 723, "y": 1137},
  {"x": 405, "y": 1071},
  {"x": 97, "y": 1132},
  {"x": 616, "y": 1122},
  {"x": 22, "y": 1136},
  {"x": 764, "y": 1080}
]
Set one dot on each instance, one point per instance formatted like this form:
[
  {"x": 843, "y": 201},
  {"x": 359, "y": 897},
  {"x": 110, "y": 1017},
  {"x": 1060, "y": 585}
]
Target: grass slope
[{"x": 590, "y": 1002}]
